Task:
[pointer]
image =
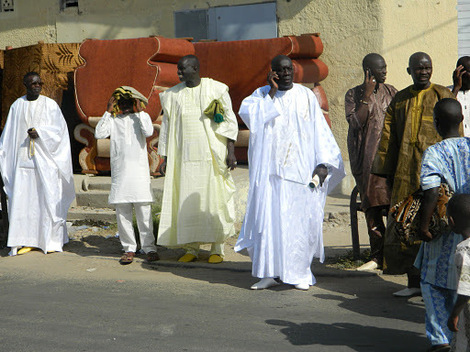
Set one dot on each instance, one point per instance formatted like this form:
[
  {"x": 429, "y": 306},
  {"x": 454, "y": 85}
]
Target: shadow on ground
[
  {"x": 372, "y": 296},
  {"x": 368, "y": 295},
  {"x": 95, "y": 245},
  {"x": 360, "y": 338}
]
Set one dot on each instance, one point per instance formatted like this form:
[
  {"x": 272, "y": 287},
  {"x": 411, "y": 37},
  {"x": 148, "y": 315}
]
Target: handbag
[{"x": 406, "y": 216}]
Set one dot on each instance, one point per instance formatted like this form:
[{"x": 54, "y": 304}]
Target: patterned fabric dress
[
  {"x": 408, "y": 130},
  {"x": 447, "y": 161}
]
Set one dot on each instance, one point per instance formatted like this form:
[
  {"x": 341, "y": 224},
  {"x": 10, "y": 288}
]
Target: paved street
[{"x": 87, "y": 302}]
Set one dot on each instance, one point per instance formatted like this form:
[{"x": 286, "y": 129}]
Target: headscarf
[{"x": 126, "y": 92}]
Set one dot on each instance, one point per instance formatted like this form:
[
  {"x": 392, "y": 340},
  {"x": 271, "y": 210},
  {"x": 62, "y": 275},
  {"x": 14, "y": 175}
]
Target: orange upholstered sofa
[{"x": 149, "y": 65}]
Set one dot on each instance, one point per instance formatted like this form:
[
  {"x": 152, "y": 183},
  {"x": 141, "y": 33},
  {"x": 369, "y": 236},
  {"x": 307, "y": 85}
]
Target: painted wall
[
  {"x": 394, "y": 28},
  {"x": 349, "y": 29},
  {"x": 420, "y": 25}
]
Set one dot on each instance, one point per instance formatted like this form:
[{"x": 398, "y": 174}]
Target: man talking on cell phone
[
  {"x": 365, "y": 107},
  {"x": 290, "y": 144}
]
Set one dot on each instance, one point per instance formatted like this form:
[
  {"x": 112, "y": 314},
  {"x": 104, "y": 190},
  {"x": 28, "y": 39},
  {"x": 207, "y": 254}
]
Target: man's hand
[
  {"x": 111, "y": 104},
  {"x": 138, "y": 105},
  {"x": 162, "y": 168},
  {"x": 33, "y": 134},
  {"x": 231, "y": 159},
  {"x": 272, "y": 76},
  {"x": 322, "y": 171},
  {"x": 452, "y": 323},
  {"x": 457, "y": 78},
  {"x": 428, "y": 205},
  {"x": 369, "y": 85},
  {"x": 425, "y": 235}
]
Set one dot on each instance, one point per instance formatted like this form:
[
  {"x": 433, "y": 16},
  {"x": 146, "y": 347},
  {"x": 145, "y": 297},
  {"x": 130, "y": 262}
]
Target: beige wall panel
[
  {"x": 114, "y": 19},
  {"x": 31, "y": 22},
  {"x": 349, "y": 30},
  {"x": 420, "y": 25}
]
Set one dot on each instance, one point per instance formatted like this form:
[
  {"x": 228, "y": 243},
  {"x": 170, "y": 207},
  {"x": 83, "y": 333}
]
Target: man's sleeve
[
  {"x": 8, "y": 151},
  {"x": 448, "y": 94},
  {"x": 103, "y": 128},
  {"x": 430, "y": 170},
  {"x": 54, "y": 139},
  {"x": 326, "y": 149},
  {"x": 165, "y": 126},
  {"x": 463, "y": 287},
  {"x": 385, "y": 161},
  {"x": 257, "y": 110},
  {"x": 229, "y": 127},
  {"x": 350, "y": 110},
  {"x": 163, "y": 136},
  {"x": 146, "y": 125}
]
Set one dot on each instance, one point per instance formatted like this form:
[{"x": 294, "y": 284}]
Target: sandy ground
[
  {"x": 98, "y": 246},
  {"x": 102, "y": 240}
]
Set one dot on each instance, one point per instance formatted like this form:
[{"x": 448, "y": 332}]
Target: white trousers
[{"x": 143, "y": 215}]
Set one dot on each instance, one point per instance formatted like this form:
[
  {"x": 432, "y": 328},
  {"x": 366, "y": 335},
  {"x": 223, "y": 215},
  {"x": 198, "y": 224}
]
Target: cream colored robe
[{"x": 198, "y": 204}]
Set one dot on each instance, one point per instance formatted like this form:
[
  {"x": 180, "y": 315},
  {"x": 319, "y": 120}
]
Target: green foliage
[{"x": 347, "y": 261}]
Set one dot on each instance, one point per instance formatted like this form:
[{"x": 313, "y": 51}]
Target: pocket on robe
[
  {"x": 196, "y": 151},
  {"x": 24, "y": 159}
]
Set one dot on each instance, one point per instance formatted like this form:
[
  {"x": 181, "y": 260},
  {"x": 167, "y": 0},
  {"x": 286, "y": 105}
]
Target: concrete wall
[
  {"x": 349, "y": 29},
  {"x": 420, "y": 25},
  {"x": 35, "y": 20},
  {"x": 393, "y": 28}
]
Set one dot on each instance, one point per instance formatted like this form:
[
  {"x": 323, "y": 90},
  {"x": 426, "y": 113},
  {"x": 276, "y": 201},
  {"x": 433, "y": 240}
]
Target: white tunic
[
  {"x": 464, "y": 99},
  {"x": 460, "y": 341},
  {"x": 130, "y": 173},
  {"x": 289, "y": 137},
  {"x": 38, "y": 177}
]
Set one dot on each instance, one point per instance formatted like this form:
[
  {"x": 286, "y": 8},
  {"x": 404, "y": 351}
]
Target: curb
[
  {"x": 319, "y": 270},
  {"x": 322, "y": 271}
]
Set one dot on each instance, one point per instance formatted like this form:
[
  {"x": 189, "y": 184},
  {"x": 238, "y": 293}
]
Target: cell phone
[{"x": 370, "y": 73}]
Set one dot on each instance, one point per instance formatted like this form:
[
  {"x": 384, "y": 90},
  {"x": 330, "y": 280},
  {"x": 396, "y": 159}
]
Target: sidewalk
[
  {"x": 336, "y": 237},
  {"x": 336, "y": 232}
]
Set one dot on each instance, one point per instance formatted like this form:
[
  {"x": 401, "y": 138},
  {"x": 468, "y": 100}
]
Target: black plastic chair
[
  {"x": 4, "y": 216},
  {"x": 354, "y": 207}
]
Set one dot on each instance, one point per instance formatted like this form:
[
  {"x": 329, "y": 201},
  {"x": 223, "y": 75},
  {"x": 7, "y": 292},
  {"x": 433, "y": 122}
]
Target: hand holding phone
[
  {"x": 370, "y": 74},
  {"x": 369, "y": 84}
]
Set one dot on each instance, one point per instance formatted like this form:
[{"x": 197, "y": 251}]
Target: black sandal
[{"x": 127, "y": 258}]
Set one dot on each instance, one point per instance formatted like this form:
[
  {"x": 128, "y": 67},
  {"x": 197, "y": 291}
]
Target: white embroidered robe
[
  {"x": 38, "y": 177},
  {"x": 289, "y": 137}
]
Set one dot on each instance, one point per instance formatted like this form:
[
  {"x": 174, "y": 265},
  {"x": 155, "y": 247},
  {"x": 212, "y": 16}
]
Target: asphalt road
[{"x": 70, "y": 302}]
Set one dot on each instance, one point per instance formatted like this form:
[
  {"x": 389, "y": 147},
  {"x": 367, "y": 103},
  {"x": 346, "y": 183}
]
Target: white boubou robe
[
  {"x": 130, "y": 173},
  {"x": 198, "y": 204},
  {"x": 37, "y": 175},
  {"x": 289, "y": 137}
]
